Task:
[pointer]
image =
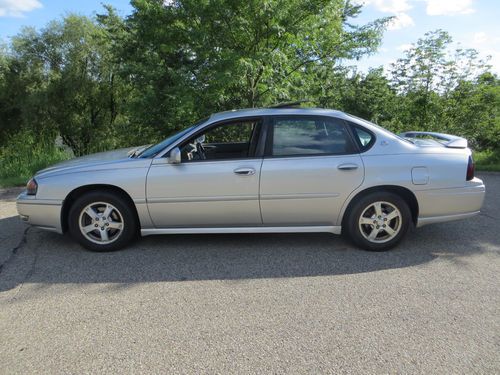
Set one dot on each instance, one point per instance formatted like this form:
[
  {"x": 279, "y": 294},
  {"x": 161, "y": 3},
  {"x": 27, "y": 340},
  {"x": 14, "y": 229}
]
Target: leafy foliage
[{"x": 191, "y": 58}]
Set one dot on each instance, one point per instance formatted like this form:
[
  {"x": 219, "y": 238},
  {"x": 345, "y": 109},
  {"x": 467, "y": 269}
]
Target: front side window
[
  {"x": 153, "y": 150},
  {"x": 233, "y": 140},
  {"x": 294, "y": 136}
]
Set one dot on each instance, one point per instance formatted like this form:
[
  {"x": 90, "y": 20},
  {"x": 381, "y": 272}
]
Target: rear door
[{"x": 310, "y": 168}]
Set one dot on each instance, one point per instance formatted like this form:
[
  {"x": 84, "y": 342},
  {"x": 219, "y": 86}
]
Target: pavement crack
[
  {"x": 14, "y": 250},
  {"x": 27, "y": 276}
]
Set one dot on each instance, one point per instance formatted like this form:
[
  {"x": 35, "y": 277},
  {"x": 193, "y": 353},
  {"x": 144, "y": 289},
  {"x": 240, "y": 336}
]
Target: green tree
[
  {"x": 418, "y": 76},
  {"x": 189, "y": 58},
  {"x": 72, "y": 86},
  {"x": 371, "y": 97},
  {"x": 11, "y": 91},
  {"x": 473, "y": 111},
  {"x": 429, "y": 71}
]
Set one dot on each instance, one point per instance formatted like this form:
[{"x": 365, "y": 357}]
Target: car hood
[{"x": 84, "y": 162}]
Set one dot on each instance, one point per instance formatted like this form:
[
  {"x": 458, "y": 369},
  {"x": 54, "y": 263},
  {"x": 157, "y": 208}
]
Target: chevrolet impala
[{"x": 270, "y": 170}]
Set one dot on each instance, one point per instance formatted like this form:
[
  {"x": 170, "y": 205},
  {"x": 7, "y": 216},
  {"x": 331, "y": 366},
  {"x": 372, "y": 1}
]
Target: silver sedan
[{"x": 260, "y": 171}]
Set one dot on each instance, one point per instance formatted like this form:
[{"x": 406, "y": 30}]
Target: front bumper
[
  {"x": 42, "y": 213},
  {"x": 439, "y": 205}
]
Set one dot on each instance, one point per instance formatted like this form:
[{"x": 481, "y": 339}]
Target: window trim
[
  {"x": 254, "y": 155},
  {"x": 270, "y": 136}
]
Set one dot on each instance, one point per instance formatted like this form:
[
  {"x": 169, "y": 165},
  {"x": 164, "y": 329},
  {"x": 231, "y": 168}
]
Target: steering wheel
[{"x": 200, "y": 151}]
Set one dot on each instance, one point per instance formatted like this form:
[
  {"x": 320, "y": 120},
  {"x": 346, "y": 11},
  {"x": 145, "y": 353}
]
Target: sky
[{"x": 471, "y": 23}]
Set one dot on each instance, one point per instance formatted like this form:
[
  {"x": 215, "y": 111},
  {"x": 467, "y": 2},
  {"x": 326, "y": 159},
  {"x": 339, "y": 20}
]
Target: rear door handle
[
  {"x": 244, "y": 171},
  {"x": 347, "y": 167}
]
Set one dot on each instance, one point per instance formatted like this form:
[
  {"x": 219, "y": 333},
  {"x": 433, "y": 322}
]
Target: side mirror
[{"x": 175, "y": 156}]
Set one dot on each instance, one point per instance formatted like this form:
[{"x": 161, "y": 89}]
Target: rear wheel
[
  {"x": 378, "y": 221},
  {"x": 102, "y": 221}
]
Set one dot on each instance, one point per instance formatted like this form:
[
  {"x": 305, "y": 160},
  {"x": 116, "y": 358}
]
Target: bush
[
  {"x": 23, "y": 154},
  {"x": 488, "y": 160}
]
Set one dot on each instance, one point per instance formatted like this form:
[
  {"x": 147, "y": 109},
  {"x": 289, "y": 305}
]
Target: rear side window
[
  {"x": 364, "y": 138},
  {"x": 295, "y": 136}
]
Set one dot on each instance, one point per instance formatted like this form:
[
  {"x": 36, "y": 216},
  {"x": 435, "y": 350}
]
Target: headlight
[{"x": 31, "y": 187}]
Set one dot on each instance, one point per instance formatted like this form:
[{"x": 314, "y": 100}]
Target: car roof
[{"x": 249, "y": 112}]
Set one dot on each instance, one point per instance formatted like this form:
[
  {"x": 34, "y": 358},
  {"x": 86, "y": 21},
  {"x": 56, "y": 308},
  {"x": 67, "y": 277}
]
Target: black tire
[
  {"x": 384, "y": 241},
  {"x": 122, "y": 212}
]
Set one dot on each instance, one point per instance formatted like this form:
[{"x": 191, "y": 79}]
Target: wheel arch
[
  {"x": 79, "y": 191},
  {"x": 403, "y": 192}
]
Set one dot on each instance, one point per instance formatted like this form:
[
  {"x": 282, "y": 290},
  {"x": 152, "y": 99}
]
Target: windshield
[{"x": 155, "y": 149}]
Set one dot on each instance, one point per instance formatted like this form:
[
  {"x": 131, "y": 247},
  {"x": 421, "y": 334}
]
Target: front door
[
  {"x": 216, "y": 183},
  {"x": 311, "y": 167}
]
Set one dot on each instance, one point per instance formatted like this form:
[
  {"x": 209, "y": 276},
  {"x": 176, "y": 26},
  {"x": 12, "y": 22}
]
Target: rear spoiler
[{"x": 447, "y": 140}]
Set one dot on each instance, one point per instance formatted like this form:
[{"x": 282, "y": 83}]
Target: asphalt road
[{"x": 253, "y": 303}]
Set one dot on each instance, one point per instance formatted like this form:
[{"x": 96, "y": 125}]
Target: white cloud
[
  {"x": 392, "y": 6},
  {"x": 387, "y": 6},
  {"x": 397, "y": 8},
  {"x": 480, "y": 38},
  {"x": 17, "y": 8},
  {"x": 487, "y": 45},
  {"x": 449, "y": 7},
  {"x": 400, "y": 9},
  {"x": 400, "y": 21},
  {"x": 404, "y": 47}
]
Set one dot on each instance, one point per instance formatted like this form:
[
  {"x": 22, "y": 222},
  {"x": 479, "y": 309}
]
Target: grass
[
  {"x": 16, "y": 171},
  {"x": 23, "y": 155},
  {"x": 12, "y": 181},
  {"x": 487, "y": 160}
]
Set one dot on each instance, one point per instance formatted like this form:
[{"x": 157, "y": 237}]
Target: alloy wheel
[
  {"x": 101, "y": 223},
  {"x": 380, "y": 222}
]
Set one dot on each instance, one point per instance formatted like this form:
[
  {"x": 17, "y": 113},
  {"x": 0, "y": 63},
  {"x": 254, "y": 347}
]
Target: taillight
[
  {"x": 31, "y": 187},
  {"x": 470, "y": 169}
]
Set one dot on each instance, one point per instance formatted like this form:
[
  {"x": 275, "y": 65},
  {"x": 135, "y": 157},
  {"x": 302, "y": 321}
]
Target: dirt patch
[{"x": 10, "y": 194}]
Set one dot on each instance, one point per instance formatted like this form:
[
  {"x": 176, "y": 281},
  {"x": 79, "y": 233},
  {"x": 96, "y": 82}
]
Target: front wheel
[
  {"x": 102, "y": 221},
  {"x": 378, "y": 221}
]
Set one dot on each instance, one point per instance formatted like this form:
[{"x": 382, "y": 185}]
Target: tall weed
[{"x": 24, "y": 153}]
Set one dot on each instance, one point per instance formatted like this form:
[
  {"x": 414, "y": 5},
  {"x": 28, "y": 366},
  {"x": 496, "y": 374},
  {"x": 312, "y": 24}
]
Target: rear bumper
[
  {"x": 442, "y": 205},
  {"x": 42, "y": 213}
]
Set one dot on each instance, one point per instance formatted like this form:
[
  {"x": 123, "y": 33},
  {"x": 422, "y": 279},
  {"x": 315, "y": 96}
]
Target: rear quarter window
[{"x": 364, "y": 138}]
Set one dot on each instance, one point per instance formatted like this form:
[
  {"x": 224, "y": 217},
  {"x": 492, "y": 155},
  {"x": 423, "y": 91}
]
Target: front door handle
[
  {"x": 347, "y": 167},
  {"x": 244, "y": 171}
]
